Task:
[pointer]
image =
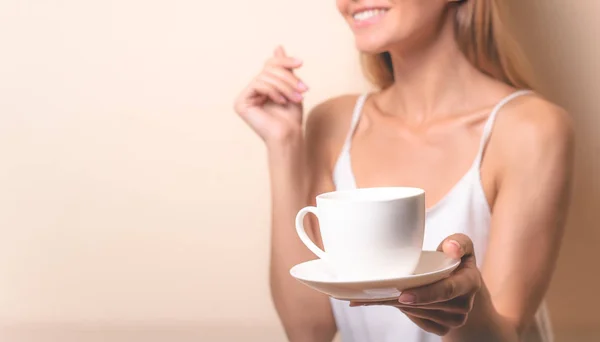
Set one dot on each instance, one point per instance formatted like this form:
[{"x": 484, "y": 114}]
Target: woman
[{"x": 452, "y": 116}]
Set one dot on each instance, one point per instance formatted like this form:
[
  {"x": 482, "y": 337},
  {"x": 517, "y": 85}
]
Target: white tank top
[{"x": 464, "y": 210}]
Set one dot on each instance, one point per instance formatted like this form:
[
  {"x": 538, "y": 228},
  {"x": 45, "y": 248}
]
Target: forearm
[
  {"x": 288, "y": 178},
  {"x": 289, "y": 194},
  {"x": 484, "y": 323},
  {"x": 305, "y": 314}
]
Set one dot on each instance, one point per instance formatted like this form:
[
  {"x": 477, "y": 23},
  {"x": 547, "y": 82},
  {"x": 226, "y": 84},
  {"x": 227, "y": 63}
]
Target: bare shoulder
[
  {"x": 531, "y": 126},
  {"x": 328, "y": 123},
  {"x": 536, "y": 116}
]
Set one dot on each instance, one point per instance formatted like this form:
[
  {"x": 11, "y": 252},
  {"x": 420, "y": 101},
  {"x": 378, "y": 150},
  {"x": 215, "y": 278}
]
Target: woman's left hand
[{"x": 444, "y": 305}]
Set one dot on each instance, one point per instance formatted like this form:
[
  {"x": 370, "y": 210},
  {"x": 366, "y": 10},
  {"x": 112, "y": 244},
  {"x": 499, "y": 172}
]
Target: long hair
[{"x": 482, "y": 38}]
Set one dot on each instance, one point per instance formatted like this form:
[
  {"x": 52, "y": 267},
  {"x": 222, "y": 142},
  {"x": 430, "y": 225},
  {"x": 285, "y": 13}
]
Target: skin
[{"x": 432, "y": 120}]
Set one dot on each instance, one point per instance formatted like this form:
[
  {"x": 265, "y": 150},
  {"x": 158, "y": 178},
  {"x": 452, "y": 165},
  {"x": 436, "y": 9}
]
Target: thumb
[{"x": 457, "y": 246}]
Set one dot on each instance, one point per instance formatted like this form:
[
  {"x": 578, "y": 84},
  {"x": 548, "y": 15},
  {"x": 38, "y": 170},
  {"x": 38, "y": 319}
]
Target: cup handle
[{"x": 302, "y": 232}]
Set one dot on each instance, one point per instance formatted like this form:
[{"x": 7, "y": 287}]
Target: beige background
[{"x": 134, "y": 203}]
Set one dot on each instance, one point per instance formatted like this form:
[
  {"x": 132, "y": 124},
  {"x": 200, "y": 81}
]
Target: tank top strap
[
  {"x": 358, "y": 108},
  {"x": 489, "y": 125}
]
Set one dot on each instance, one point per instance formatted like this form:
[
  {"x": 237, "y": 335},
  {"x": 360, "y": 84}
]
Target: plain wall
[
  {"x": 134, "y": 203},
  {"x": 561, "y": 38}
]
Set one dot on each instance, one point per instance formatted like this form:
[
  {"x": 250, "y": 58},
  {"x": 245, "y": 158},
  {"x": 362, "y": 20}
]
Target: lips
[
  {"x": 365, "y": 17},
  {"x": 366, "y": 14}
]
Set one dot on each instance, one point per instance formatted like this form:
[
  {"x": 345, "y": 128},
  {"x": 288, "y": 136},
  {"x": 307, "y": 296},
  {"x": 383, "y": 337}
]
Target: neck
[{"x": 431, "y": 80}]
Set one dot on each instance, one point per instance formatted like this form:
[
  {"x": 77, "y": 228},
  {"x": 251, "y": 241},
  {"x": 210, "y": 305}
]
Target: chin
[
  {"x": 381, "y": 25},
  {"x": 379, "y": 39},
  {"x": 371, "y": 46},
  {"x": 376, "y": 44}
]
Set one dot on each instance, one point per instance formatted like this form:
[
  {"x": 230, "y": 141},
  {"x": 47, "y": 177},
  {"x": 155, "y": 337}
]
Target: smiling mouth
[{"x": 368, "y": 15}]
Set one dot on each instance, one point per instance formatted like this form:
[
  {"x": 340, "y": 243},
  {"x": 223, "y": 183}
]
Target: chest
[{"x": 434, "y": 159}]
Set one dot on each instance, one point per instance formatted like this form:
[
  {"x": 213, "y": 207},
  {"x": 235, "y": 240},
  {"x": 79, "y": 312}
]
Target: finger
[
  {"x": 279, "y": 51},
  {"x": 457, "y": 246},
  {"x": 443, "y": 318},
  {"x": 463, "y": 282},
  {"x": 285, "y": 62},
  {"x": 460, "y": 305},
  {"x": 288, "y": 77},
  {"x": 425, "y": 324},
  {"x": 267, "y": 89},
  {"x": 392, "y": 302},
  {"x": 252, "y": 95},
  {"x": 429, "y": 326},
  {"x": 282, "y": 87}
]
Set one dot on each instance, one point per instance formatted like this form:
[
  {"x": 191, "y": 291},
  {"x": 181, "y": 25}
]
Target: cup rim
[{"x": 408, "y": 192}]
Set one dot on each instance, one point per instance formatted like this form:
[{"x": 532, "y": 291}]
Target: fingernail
[
  {"x": 302, "y": 86},
  {"x": 407, "y": 298},
  {"x": 455, "y": 243},
  {"x": 297, "y": 60},
  {"x": 297, "y": 96}
]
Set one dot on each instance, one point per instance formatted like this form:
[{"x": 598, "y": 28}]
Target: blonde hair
[{"x": 482, "y": 38}]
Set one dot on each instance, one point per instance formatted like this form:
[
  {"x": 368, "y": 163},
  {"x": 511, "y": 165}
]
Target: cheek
[
  {"x": 342, "y": 6},
  {"x": 415, "y": 18}
]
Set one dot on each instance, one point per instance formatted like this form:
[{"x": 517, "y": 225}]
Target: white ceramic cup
[{"x": 368, "y": 233}]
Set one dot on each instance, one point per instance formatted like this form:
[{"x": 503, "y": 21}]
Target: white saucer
[{"x": 433, "y": 266}]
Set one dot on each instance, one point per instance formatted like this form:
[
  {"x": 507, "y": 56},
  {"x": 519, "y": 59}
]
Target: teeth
[{"x": 368, "y": 14}]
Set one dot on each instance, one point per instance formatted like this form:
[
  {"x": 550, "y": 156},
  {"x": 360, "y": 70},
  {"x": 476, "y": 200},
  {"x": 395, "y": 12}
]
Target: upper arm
[
  {"x": 321, "y": 139},
  {"x": 530, "y": 208},
  {"x": 318, "y": 136},
  {"x": 326, "y": 128}
]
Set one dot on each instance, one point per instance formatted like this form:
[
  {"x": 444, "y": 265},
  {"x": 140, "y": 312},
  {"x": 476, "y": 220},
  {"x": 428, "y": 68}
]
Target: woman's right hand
[{"x": 272, "y": 103}]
